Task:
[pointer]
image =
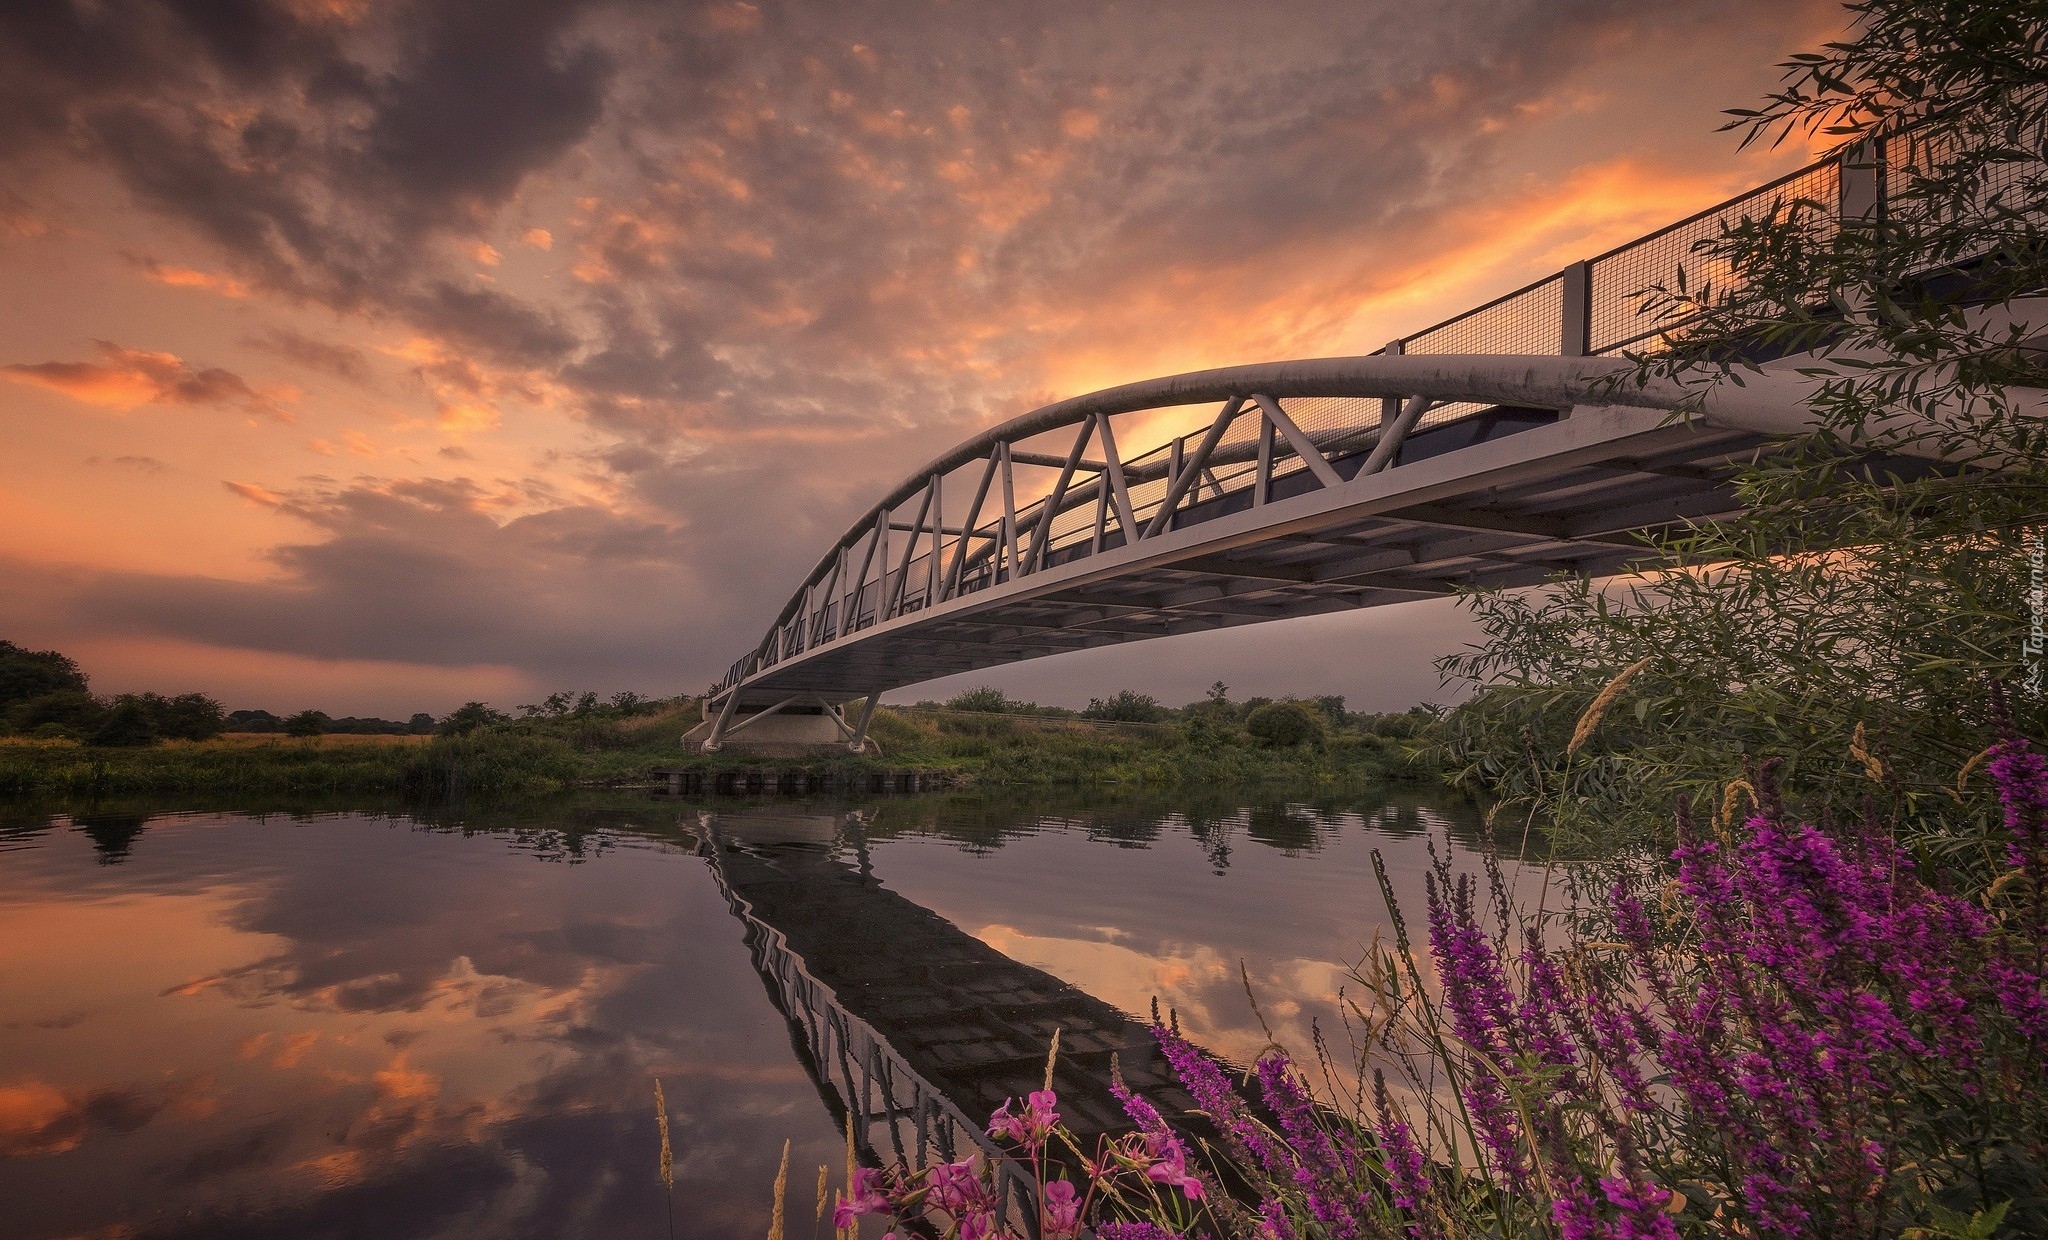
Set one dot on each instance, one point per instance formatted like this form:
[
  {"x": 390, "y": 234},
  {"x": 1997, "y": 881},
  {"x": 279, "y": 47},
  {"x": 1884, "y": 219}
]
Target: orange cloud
[
  {"x": 129, "y": 378},
  {"x": 33, "y": 1117},
  {"x": 186, "y": 277},
  {"x": 255, "y": 494},
  {"x": 538, "y": 238}
]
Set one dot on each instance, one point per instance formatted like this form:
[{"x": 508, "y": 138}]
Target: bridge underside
[{"x": 1515, "y": 499}]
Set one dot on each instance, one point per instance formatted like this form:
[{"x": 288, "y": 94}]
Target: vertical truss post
[
  {"x": 831, "y": 584},
  {"x": 938, "y": 547},
  {"x": 1009, "y": 530},
  {"x": 882, "y": 567},
  {"x": 1176, "y": 456}
]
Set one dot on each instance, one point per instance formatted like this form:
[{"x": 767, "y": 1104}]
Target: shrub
[
  {"x": 186, "y": 717},
  {"x": 1128, "y": 706},
  {"x": 306, "y": 723},
  {"x": 72, "y": 712},
  {"x": 983, "y": 698},
  {"x": 469, "y": 717},
  {"x": 126, "y": 726},
  {"x": 492, "y": 762},
  {"x": 1284, "y": 725}
]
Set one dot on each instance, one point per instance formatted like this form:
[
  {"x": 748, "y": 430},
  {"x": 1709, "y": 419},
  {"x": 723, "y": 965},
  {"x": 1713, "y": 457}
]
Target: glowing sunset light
[{"x": 699, "y": 284}]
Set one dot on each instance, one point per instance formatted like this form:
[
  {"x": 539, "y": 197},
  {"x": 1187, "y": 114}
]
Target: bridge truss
[{"x": 1499, "y": 448}]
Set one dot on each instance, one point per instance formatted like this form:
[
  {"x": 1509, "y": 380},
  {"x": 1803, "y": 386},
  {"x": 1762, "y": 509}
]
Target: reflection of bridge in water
[{"x": 911, "y": 1026}]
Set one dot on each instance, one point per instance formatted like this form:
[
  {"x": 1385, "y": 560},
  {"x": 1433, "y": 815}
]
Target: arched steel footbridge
[{"x": 1494, "y": 449}]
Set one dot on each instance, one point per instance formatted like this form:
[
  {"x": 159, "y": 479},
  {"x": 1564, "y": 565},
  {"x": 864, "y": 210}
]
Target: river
[{"x": 373, "y": 1022}]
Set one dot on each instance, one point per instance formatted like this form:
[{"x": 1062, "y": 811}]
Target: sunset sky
[{"x": 376, "y": 356}]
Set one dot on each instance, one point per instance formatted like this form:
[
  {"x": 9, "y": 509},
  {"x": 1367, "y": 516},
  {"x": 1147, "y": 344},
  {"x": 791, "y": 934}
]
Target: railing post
[
  {"x": 1576, "y": 336},
  {"x": 1390, "y": 406},
  {"x": 1860, "y": 173}
]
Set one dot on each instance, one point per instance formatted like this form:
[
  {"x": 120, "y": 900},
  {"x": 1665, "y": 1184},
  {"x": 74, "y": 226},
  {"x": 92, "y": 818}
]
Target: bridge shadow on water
[{"x": 907, "y": 1024}]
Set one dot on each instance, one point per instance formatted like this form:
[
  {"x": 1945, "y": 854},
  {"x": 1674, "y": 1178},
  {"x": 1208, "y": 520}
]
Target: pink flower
[
  {"x": 1031, "y": 1127},
  {"x": 865, "y": 1198},
  {"x": 980, "y": 1225},
  {"x": 1062, "y": 1211},
  {"x": 1172, "y": 1169},
  {"x": 956, "y": 1187}
]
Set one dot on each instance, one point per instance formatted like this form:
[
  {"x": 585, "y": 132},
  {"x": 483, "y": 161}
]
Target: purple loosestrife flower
[
  {"x": 2021, "y": 777},
  {"x": 1326, "y": 1171},
  {"x": 1407, "y": 1178},
  {"x": 1621, "y": 1210},
  {"x": 1299, "y": 1122},
  {"x": 1641, "y": 1206},
  {"x": 2018, "y": 969},
  {"x": 1545, "y": 1005},
  {"x": 1273, "y": 1221},
  {"x": 1477, "y": 994},
  {"x": 1244, "y": 1138}
]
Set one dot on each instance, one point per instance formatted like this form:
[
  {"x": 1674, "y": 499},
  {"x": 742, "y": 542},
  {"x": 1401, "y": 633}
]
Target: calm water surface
[{"x": 391, "y": 1025}]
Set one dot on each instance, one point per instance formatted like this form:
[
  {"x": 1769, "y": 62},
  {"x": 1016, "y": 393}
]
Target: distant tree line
[
  {"x": 45, "y": 695},
  {"x": 319, "y": 723}
]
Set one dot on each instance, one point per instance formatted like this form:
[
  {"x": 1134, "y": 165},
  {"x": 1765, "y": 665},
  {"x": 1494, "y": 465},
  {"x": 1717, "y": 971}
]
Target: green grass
[{"x": 540, "y": 757}]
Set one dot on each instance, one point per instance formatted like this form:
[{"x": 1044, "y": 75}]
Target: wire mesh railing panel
[
  {"x": 1671, "y": 257},
  {"x": 1529, "y": 320},
  {"x": 1921, "y": 175}
]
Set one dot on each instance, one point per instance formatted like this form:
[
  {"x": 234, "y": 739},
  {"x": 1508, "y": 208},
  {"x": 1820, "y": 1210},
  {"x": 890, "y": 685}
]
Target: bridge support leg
[
  {"x": 859, "y": 743},
  {"x": 717, "y": 737}
]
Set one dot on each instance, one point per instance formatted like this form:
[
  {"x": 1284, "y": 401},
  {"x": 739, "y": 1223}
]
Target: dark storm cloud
[
  {"x": 275, "y": 131},
  {"x": 493, "y": 92}
]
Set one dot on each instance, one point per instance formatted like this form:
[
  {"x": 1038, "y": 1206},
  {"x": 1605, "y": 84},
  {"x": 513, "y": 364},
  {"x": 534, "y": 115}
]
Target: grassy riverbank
[{"x": 542, "y": 756}]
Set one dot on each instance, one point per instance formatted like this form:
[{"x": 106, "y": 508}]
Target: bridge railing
[{"x": 1003, "y": 506}]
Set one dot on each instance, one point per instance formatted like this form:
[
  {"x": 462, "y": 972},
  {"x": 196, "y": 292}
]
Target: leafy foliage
[
  {"x": 1126, "y": 706},
  {"x": 29, "y": 674},
  {"x": 1879, "y": 573}
]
